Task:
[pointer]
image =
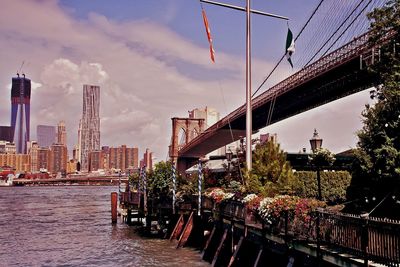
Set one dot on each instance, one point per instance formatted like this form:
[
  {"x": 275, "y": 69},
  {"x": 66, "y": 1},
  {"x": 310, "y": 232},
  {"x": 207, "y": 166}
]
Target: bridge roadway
[
  {"x": 80, "y": 180},
  {"x": 338, "y": 74}
]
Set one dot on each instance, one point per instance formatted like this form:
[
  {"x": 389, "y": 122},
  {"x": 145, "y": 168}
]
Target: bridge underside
[
  {"x": 344, "y": 80},
  {"x": 338, "y": 83}
]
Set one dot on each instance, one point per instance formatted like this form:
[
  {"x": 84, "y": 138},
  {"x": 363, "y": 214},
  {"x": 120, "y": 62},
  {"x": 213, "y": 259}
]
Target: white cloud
[
  {"x": 133, "y": 62},
  {"x": 147, "y": 72}
]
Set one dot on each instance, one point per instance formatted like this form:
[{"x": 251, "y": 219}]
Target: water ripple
[{"x": 71, "y": 226}]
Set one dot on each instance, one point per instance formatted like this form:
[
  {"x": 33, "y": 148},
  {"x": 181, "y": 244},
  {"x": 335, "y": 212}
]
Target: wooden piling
[
  {"x": 186, "y": 232},
  {"x": 223, "y": 253},
  {"x": 233, "y": 260},
  {"x": 176, "y": 233},
  {"x": 129, "y": 216},
  {"x": 114, "y": 204}
]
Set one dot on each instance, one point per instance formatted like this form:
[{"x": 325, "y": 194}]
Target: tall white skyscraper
[{"x": 89, "y": 125}]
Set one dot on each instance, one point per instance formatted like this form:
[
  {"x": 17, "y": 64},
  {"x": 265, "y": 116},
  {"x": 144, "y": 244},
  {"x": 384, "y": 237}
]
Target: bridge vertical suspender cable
[
  {"x": 280, "y": 60},
  {"x": 272, "y": 105},
  {"x": 338, "y": 28},
  {"x": 348, "y": 26}
]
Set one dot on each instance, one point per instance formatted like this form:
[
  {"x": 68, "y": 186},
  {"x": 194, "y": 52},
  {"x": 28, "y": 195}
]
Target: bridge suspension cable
[
  {"x": 337, "y": 30},
  {"x": 298, "y": 35},
  {"x": 347, "y": 17}
]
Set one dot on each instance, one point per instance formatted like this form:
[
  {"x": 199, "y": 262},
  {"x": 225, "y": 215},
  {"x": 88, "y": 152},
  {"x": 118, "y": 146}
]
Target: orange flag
[{"x": 212, "y": 52}]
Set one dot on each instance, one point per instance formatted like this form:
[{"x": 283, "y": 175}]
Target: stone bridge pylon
[{"x": 184, "y": 130}]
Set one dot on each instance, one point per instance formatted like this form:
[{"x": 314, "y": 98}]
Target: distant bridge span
[{"x": 336, "y": 75}]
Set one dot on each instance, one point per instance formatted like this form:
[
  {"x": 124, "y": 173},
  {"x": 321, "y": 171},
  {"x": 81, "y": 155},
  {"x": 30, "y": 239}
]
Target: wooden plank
[
  {"x": 178, "y": 228},
  {"x": 186, "y": 232},
  {"x": 257, "y": 262},
  {"x": 209, "y": 241},
  {"x": 236, "y": 252},
  {"x": 221, "y": 244}
]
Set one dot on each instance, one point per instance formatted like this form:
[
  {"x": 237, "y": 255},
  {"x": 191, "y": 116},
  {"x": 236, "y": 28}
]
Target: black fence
[{"x": 368, "y": 238}]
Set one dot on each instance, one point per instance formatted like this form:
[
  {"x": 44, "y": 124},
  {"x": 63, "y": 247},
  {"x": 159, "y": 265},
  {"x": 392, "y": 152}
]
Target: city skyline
[{"x": 148, "y": 80}]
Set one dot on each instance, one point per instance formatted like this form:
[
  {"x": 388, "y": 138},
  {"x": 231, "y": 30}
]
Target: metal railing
[{"x": 368, "y": 238}]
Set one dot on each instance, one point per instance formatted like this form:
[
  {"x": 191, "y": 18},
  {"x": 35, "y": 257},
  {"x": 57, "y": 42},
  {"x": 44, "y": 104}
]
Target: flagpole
[
  {"x": 249, "y": 127},
  {"x": 248, "y": 90},
  {"x": 243, "y": 9}
]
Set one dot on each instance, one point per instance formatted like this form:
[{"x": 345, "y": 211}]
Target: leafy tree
[
  {"x": 322, "y": 158},
  {"x": 377, "y": 165},
  {"x": 271, "y": 173},
  {"x": 160, "y": 179}
]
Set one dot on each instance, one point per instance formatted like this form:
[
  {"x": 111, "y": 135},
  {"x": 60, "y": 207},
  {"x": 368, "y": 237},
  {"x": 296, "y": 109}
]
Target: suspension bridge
[{"x": 334, "y": 55}]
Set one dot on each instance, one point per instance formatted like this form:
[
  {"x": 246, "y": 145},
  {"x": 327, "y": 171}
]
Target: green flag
[{"x": 289, "y": 46}]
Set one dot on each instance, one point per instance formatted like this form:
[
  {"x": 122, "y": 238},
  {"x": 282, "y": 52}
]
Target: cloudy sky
[{"x": 152, "y": 63}]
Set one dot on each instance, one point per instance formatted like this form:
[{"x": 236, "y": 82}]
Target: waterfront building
[
  {"x": 58, "y": 158},
  {"x": 75, "y": 153},
  {"x": 78, "y": 149},
  {"x": 123, "y": 157},
  {"x": 46, "y": 135},
  {"x": 7, "y": 147},
  {"x": 96, "y": 160},
  {"x": 20, "y": 112},
  {"x": 132, "y": 158},
  {"x": 33, "y": 152},
  {"x": 210, "y": 115},
  {"x": 89, "y": 125},
  {"x": 147, "y": 160},
  {"x": 72, "y": 166},
  {"x": 19, "y": 162},
  {"x": 268, "y": 137},
  {"x": 115, "y": 158},
  {"x": 61, "y": 133},
  {"x": 6, "y": 133},
  {"x": 106, "y": 157},
  {"x": 43, "y": 159}
]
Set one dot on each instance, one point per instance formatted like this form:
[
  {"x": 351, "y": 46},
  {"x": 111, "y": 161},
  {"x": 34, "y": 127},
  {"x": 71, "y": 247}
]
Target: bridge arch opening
[{"x": 181, "y": 137}]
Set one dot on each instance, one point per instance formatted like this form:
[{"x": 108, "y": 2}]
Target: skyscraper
[
  {"x": 147, "y": 160},
  {"x": 58, "y": 158},
  {"x": 123, "y": 157},
  {"x": 61, "y": 133},
  {"x": 89, "y": 125},
  {"x": 46, "y": 135},
  {"x": 20, "y": 111},
  {"x": 6, "y": 133}
]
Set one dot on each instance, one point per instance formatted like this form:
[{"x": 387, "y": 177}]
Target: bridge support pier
[{"x": 185, "y": 163}]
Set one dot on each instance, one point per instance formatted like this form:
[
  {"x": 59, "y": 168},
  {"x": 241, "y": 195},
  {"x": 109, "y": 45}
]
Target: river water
[{"x": 71, "y": 226}]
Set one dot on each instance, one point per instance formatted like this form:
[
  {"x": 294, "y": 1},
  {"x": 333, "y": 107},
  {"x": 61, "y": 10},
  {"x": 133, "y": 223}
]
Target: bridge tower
[{"x": 184, "y": 130}]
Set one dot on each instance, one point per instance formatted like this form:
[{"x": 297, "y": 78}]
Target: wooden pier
[{"x": 230, "y": 234}]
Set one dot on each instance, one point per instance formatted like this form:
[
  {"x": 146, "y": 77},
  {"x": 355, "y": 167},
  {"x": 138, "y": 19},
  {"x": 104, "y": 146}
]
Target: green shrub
[{"x": 333, "y": 185}]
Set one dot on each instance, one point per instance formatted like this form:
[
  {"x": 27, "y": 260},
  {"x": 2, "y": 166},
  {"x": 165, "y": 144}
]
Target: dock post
[
  {"x": 114, "y": 203},
  {"x": 129, "y": 216}
]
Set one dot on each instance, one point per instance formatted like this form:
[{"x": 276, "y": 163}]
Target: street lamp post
[{"x": 316, "y": 143}]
